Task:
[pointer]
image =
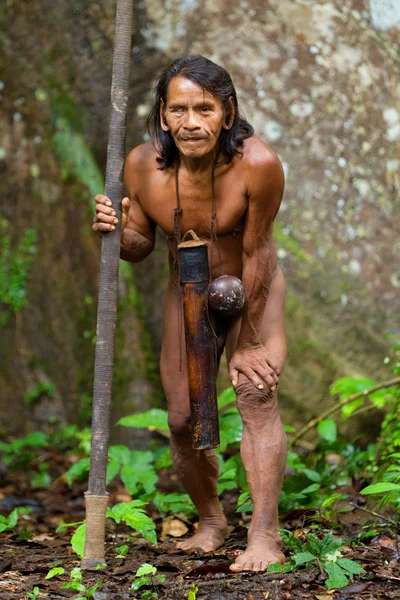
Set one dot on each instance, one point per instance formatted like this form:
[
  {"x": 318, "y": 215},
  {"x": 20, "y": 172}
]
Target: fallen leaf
[
  {"x": 42, "y": 537},
  {"x": 174, "y": 527}
]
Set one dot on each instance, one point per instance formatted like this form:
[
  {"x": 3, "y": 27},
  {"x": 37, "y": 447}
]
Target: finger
[
  {"x": 254, "y": 378},
  {"x": 102, "y": 199},
  {"x": 106, "y": 210},
  {"x": 234, "y": 376},
  {"x": 274, "y": 366},
  {"x": 126, "y": 204},
  {"x": 103, "y": 227},
  {"x": 102, "y": 218}
]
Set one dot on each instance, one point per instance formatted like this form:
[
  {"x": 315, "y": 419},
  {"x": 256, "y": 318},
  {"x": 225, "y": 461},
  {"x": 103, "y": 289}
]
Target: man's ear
[
  {"x": 229, "y": 114},
  {"x": 163, "y": 122}
]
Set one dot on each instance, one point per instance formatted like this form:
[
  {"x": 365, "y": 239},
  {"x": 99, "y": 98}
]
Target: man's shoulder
[
  {"x": 256, "y": 153},
  {"x": 142, "y": 157}
]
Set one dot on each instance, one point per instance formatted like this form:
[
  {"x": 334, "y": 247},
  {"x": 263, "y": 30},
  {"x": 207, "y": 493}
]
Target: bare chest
[{"x": 159, "y": 201}]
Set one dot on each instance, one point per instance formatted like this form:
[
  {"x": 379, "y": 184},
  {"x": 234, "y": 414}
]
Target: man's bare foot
[
  {"x": 260, "y": 553},
  {"x": 209, "y": 536}
]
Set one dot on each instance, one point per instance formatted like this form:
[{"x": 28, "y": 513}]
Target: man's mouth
[{"x": 192, "y": 139}]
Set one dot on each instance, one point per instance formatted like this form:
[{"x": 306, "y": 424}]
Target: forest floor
[{"x": 33, "y": 547}]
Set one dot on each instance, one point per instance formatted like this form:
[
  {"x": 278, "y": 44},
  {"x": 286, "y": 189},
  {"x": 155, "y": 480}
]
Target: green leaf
[
  {"x": 113, "y": 468},
  {"x": 77, "y": 470},
  {"x": 231, "y": 428},
  {"x": 139, "y": 582},
  {"x": 146, "y": 569},
  {"x": 122, "y": 550},
  {"x": 347, "y": 386},
  {"x": 314, "y": 487},
  {"x": 380, "y": 488},
  {"x": 120, "y": 454},
  {"x": 228, "y": 396},
  {"x": 78, "y": 540},
  {"x": 156, "y": 418},
  {"x": 350, "y": 566},
  {"x": 278, "y": 568},
  {"x": 192, "y": 593},
  {"x": 337, "y": 577},
  {"x": 312, "y": 475},
  {"x": 174, "y": 504},
  {"x": 142, "y": 523},
  {"x": 303, "y": 557},
  {"x": 327, "y": 430},
  {"x": 331, "y": 500},
  {"x": 119, "y": 510},
  {"x": 54, "y": 572}
]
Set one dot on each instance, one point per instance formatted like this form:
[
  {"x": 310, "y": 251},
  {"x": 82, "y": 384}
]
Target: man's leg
[
  {"x": 264, "y": 447},
  {"x": 196, "y": 469}
]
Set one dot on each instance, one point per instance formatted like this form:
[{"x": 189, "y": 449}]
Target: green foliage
[
  {"x": 122, "y": 551},
  {"x": 78, "y": 540},
  {"x": 10, "y": 522},
  {"x": 14, "y": 270},
  {"x": 349, "y": 386},
  {"x": 75, "y": 154},
  {"x": 327, "y": 429},
  {"x": 193, "y": 592},
  {"x": 324, "y": 553},
  {"x": 155, "y": 418},
  {"x": 38, "y": 391},
  {"x": 33, "y": 595},
  {"x": 146, "y": 576},
  {"x": 55, "y": 572},
  {"x": 132, "y": 513},
  {"x": 174, "y": 504},
  {"x": 76, "y": 585}
]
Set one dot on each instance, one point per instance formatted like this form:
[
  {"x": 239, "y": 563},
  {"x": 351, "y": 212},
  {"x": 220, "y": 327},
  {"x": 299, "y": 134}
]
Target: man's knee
[
  {"x": 255, "y": 406},
  {"x": 179, "y": 423}
]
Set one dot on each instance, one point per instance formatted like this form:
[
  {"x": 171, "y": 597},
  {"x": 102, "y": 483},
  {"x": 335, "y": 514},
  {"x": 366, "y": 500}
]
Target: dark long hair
[{"x": 213, "y": 79}]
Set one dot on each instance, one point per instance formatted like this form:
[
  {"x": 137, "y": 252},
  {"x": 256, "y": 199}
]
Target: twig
[
  {"x": 330, "y": 411},
  {"x": 373, "y": 513}
]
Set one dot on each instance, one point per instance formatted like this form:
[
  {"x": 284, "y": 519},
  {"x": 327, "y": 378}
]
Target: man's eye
[
  {"x": 205, "y": 109},
  {"x": 177, "y": 109}
]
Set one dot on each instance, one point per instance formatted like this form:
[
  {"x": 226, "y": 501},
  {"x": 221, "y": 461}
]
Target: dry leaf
[{"x": 173, "y": 526}]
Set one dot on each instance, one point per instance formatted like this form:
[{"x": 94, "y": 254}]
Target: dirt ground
[{"x": 33, "y": 548}]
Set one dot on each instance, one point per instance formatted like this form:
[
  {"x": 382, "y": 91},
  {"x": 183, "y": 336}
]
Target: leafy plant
[
  {"x": 133, "y": 515},
  {"x": 14, "y": 269},
  {"x": 122, "y": 551},
  {"x": 325, "y": 553},
  {"x": 192, "y": 593},
  {"x": 10, "y": 522},
  {"x": 38, "y": 391},
  {"x": 146, "y": 575},
  {"x": 33, "y": 595},
  {"x": 76, "y": 585},
  {"x": 174, "y": 504},
  {"x": 55, "y": 572}
]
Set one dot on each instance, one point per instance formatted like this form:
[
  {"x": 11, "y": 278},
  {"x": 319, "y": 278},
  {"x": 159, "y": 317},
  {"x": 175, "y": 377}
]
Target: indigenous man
[{"x": 206, "y": 154}]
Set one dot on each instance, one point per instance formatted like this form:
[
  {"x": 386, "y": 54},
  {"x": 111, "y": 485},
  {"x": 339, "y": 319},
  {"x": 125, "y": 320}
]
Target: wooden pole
[{"x": 97, "y": 497}]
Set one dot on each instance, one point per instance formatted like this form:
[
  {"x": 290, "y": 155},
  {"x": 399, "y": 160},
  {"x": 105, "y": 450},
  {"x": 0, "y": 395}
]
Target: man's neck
[{"x": 197, "y": 166}]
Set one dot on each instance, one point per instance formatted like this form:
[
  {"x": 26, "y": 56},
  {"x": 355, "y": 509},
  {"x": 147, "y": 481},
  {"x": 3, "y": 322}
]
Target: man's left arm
[{"x": 265, "y": 191}]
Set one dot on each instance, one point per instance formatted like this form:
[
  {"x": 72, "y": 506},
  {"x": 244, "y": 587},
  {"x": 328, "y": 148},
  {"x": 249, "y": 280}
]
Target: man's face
[{"x": 194, "y": 117}]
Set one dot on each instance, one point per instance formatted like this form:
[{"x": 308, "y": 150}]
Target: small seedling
[
  {"x": 122, "y": 551},
  {"x": 146, "y": 575},
  {"x": 76, "y": 585},
  {"x": 33, "y": 595},
  {"x": 192, "y": 593}
]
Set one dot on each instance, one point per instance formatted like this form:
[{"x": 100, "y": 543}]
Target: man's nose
[{"x": 191, "y": 121}]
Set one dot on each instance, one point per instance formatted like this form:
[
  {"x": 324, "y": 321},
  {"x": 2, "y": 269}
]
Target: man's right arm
[{"x": 137, "y": 229}]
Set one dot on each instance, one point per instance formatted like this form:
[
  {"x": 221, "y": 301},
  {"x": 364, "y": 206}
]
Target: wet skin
[{"x": 248, "y": 193}]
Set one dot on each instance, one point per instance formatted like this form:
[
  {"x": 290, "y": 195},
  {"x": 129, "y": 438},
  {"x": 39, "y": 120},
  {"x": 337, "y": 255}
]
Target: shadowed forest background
[{"x": 318, "y": 80}]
